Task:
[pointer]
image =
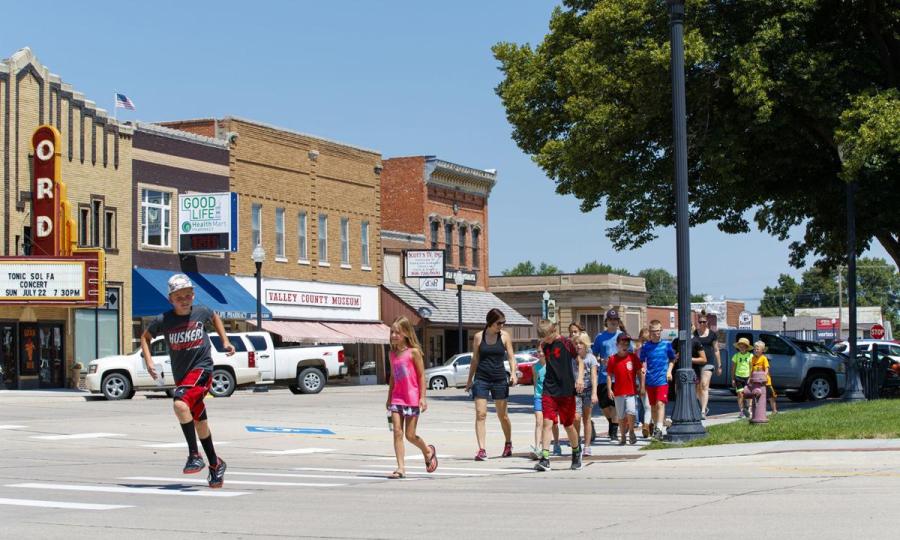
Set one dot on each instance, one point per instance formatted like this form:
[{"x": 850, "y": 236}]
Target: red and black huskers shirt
[
  {"x": 189, "y": 346},
  {"x": 559, "y": 380}
]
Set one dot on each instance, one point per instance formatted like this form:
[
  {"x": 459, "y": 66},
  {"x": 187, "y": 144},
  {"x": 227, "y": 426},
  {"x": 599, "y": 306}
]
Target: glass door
[
  {"x": 52, "y": 361},
  {"x": 9, "y": 369}
]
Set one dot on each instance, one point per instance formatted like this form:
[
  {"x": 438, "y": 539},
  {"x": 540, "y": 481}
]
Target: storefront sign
[
  {"x": 826, "y": 328},
  {"x": 299, "y": 298},
  {"x": 469, "y": 277},
  {"x": 207, "y": 222},
  {"x": 425, "y": 263},
  {"x": 50, "y": 280}
]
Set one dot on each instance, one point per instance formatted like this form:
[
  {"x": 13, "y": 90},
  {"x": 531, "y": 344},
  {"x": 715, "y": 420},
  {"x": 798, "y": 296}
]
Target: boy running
[
  {"x": 657, "y": 356},
  {"x": 192, "y": 366},
  {"x": 560, "y": 385},
  {"x": 623, "y": 367}
]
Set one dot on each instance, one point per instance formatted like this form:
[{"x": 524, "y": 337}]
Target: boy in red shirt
[{"x": 623, "y": 367}]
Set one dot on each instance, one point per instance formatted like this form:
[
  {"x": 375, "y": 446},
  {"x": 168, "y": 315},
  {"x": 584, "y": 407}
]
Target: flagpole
[{"x": 115, "y": 109}]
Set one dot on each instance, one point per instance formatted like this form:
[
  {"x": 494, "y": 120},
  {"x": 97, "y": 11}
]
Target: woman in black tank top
[{"x": 488, "y": 377}]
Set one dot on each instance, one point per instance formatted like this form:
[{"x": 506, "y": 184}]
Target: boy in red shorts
[
  {"x": 657, "y": 356},
  {"x": 192, "y": 366},
  {"x": 560, "y": 385}
]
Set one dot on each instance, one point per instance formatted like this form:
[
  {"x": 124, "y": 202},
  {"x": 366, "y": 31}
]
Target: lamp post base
[{"x": 686, "y": 425}]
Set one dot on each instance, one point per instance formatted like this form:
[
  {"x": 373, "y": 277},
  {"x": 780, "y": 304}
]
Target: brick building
[
  {"x": 167, "y": 163},
  {"x": 314, "y": 206},
  {"x": 431, "y": 204},
  {"x": 96, "y": 168}
]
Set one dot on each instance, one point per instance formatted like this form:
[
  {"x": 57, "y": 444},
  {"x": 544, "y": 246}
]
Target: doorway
[{"x": 41, "y": 355}]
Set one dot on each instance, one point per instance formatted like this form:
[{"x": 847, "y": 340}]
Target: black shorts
[
  {"x": 482, "y": 389},
  {"x": 740, "y": 382},
  {"x": 603, "y": 400}
]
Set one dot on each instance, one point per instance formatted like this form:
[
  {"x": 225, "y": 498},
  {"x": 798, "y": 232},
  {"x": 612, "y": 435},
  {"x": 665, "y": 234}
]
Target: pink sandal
[{"x": 432, "y": 463}]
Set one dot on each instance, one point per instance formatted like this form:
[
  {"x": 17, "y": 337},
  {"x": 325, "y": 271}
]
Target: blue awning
[{"x": 222, "y": 294}]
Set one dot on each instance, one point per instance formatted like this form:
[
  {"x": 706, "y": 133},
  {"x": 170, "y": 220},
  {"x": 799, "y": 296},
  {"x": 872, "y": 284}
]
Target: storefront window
[
  {"x": 475, "y": 234},
  {"x": 301, "y": 237},
  {"x": 323, "y": 238},
  {"x": 364, "y": 243},
  {"x": 345, "y": 241},
  {"x": 106, "y": 332},
  {"x": 256, "y": 219},
  {"x": 435, "y": 229},
  {"x": 462, "y": 247},
  {"x": 155, "y": 218},
  {"x": 279, "y": 232},
  {"x": 448, "y": 243}
]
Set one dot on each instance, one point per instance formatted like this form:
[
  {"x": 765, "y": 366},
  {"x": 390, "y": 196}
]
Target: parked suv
[{"x": 799, "y": 370}]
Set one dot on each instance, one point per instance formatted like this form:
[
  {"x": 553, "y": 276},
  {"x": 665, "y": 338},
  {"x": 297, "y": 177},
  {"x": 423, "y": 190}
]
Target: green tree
[
  {"x": 698, "y": 297},
  {"x": 780, "y": 299},
  {"x": 787, "y": 100},
  {"x": 595, "y": 267},
  {"x": 527, "y": 268},
  {"x": 662, "y": 287}
]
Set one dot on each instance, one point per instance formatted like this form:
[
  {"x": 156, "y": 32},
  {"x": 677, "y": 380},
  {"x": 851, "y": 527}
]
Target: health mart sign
[{"x": 207, "y": 222}]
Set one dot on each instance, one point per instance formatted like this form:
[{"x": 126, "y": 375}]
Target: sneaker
[
  {"x": 613, "y": 431},
  {"x": 657, "y": 434},
  {"x": 557, "y": 449},
  {"x": 587, "y": 451},
  {"x": 576, "y": 460},
  {"x": 622, "y": 440},
  {"x": 645, "y": 431},
  {"x": 194, "y": 464},
  {"x": 740, "y": 415},
  {"x": 632, "y": 438},
  {"x": 481, "y": 455},
  {"x": 706, "y": 412},
  {"x": 507, "y": 450},
  {"x": 216, "y": 475},
  {"x": 543, "y": 464}
]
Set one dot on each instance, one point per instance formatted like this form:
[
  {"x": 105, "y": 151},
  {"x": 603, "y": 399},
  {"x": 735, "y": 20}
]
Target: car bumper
[
  {"x": 92, "y": 382},
  {"x": 247, "y": 375},
  {"x": 342, "y": 370}
]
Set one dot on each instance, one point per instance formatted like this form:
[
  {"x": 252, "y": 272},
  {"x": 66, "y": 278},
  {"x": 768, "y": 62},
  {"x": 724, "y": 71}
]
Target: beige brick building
[
  {"x": 96, "y": 168},
  {"x": 314, "y": 206}
]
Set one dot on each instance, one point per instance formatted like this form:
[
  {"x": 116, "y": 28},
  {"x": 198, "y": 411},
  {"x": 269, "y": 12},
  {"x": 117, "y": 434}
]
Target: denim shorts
[
  {"x": 538, "y": 407},
  {"x": 482, "y": 389},
  {"x": 583, "y": 402}
]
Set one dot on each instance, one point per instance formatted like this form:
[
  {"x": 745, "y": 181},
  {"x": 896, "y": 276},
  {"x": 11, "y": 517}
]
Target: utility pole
[{"x": 840, "y": 316}]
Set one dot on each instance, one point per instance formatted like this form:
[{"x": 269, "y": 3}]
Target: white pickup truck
[
  {"x": 304, "y": 369},
  {"x": 117, "y": 377}
]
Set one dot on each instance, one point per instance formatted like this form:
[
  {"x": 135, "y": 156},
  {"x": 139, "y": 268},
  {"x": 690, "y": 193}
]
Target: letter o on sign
[{"x": 44, "y": 150}]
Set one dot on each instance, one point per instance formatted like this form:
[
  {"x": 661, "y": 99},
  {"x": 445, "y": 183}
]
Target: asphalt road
[{"x": 75, "y": 468}]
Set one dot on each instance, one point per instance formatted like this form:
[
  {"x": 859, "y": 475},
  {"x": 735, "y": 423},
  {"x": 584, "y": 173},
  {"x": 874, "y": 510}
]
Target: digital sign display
[{"x": 203, "y": 242}]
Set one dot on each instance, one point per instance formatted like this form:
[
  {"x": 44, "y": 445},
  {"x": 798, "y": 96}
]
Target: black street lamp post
[
  {"x": 460, "y": 280},
  {"x": 258, "y": 256},
  {"x": 686, "y": 423},
  {"x": 854, "y": 390}
]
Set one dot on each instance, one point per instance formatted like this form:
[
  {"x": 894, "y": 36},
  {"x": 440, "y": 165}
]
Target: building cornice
[{"x": 459, "y": 177}]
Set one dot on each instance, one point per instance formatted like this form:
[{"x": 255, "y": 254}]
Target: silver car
[{"x": 454, "y": 372}]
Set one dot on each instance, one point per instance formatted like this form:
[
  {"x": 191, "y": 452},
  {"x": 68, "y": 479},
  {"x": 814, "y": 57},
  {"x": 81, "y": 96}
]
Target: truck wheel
[
  {"x": 294, "y": 389},
  {"x": 438, "y": 383},
  {"x": 310, "y": 380},
  {"x": 818, "y": 386},
  {"x": 223, "y": 383},
  {"x": 117, "y": 386}
]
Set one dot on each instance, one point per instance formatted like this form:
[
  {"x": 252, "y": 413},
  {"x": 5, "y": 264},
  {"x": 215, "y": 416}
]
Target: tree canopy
[
  {"x": 595, "y": 267},
  {"x": 787, "y": 100},
  {"x": 527, "y": 268}
]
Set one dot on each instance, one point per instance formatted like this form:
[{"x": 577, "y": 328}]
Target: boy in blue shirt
[{"x": 658, "y": 357}]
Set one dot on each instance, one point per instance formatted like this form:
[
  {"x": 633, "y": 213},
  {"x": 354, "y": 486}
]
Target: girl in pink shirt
[{"x": 406, "y": 395}]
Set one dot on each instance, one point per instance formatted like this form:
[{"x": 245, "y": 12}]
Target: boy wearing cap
[
  {"x": 623, "y": 367},
  {"x": 605, "y": 346},
  {"x": 560, "y": 386},
  {"x": 192, "y": 366},
  {"x": 740, "y": 374}
]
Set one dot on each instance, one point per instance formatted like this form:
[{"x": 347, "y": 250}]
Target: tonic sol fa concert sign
[
  {"x": 57, "y": 272},
  {"x": 299, "y": 298}
]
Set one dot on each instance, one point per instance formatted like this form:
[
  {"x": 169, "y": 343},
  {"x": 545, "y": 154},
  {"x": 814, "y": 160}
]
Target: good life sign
[{"x": 207, "y": 222}]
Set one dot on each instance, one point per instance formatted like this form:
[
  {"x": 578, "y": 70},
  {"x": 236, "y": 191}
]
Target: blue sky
[{"x": 400, "y": 77}]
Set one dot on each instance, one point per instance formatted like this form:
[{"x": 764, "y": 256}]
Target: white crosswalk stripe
[
  {"x": 74, "y": 436},
  {"x": 230, "y": 482},
  {"x": 294, "y": 451},
  {"x": 289, "y": 475},
  {"x": 476, "y": 469},
  {"x": 181, "y": 444},
  {"x": 379, "y": 471},
  {"x": 150, "y": 490},
  {"x": 11, "y": 426},
  {"x": 61, "y": 504}
]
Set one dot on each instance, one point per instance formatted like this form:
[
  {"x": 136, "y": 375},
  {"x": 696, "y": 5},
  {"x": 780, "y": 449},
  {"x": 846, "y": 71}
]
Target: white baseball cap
[{"x": 178, "y": 282}]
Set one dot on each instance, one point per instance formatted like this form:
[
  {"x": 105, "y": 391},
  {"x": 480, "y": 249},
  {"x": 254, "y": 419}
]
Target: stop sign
[{"x": 877, "y": 331}]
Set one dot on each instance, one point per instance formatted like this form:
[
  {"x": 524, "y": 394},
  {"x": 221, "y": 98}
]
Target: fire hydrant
[{"x": 756, "y": 391}]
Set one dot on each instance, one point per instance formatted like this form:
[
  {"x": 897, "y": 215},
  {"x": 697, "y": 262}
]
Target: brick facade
[{"x": 96, "y": 168}]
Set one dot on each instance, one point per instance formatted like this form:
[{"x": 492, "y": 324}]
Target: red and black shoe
[
  {"x": 194, "y": 464},
  {"x": 216, "y": 475},
  {"x": 481, "y": 455},
  {"x": 507, "y": 450}
]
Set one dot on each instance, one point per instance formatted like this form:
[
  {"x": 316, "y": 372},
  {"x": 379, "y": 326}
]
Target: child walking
[
  {"x": 657, "y": 355},
  {"x": 406, "y": 395},
  {"x": 539, "y": 369},
  {"x": 587, "y": 398},
  {"x": 623, "y": 367},
  {"x": 740, "y": 373},
  {"x": 183, "y": 328},
  {"x": 760, "y": 362}
]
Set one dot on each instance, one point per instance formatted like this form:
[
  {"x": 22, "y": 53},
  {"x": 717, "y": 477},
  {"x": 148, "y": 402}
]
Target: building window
[
  {"x": 435, "y": 230},
  {"x": 155, "y": 213},
  {"x": 84, "y": 225},
  {"x": 462, "y": 247},
  {"x": 345, "y": 241},
  {"x": 256, "y": 221},
  {"x": 96, "y": 212},
  {"x": 109, "y": 228},
  {"x": 279, "y": 232},
  {"x": 448, "y": 243},
  {"x": 475, "y": 234},
  {"x": 364, "y": 243},
  {"x": 301, "y": 236},
  {"x": 323, "y": 239}
]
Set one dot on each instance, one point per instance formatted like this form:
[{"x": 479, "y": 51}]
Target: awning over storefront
[
  {"x": 441, "y": 307},
  {"x": 220, "y": 293},
  {"x": 329, "y": 332}
]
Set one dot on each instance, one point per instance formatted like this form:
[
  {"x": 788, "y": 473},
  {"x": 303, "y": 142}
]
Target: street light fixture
[
  {"x": 460, "y": 279},
  {"x": 259, "y": 257},
  {"x": 686, "y": 424},
  {"x": 546, "y": 298},
  {"x": 784, "y": 324}
]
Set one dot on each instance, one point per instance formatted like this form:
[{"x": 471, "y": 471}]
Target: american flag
[{"x": 122, "y": 102}]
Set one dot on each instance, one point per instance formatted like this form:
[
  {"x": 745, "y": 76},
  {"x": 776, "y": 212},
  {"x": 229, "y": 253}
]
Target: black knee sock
[
  {"x": 210, "y": 451},
  {"x": 190, "y": 436}
]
